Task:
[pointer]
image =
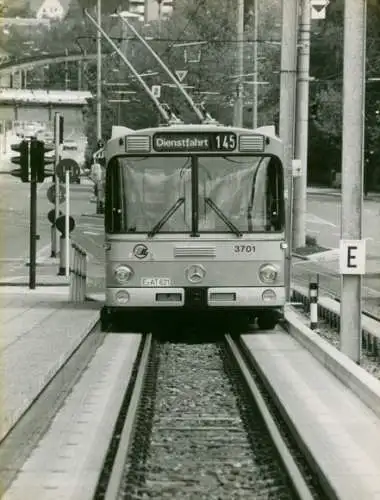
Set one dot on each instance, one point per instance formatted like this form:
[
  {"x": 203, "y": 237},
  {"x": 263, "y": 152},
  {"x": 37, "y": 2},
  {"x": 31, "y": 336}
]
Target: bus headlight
[
  {"x": 268, "y": 273},
  {"x": 123, "y": 274}
]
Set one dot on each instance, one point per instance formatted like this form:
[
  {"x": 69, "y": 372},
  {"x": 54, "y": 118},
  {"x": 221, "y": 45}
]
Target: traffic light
[
  {"x": 22, "y": 160},
  {"x": 38, "y": 160}
]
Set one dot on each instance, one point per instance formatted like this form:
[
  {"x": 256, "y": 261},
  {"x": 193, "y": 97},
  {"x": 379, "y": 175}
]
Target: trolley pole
[
  {"x": 239, "y": 101},
  {"x": 302, "y": 127},
  {"x": 352, "y": 167},
  {"x": 99, "y": 72},
  {"x": 287, "y": 115}
]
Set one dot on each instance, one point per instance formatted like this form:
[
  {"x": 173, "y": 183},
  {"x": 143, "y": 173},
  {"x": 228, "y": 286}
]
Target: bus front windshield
[{"x": 171, "y": 194}]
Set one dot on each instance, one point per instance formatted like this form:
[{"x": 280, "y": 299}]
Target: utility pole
[
  {"x": 239, "y": 100},
  {"x": 352, "y": 168},
  {"x": 159, "y": 2},
  {"x": 255, "y": 77},
  {"x": 99, "y": 72},
  {"x": 302, "y": 126},
  {"x": 287, "y": 114},
  {"x": 66, "y": 71}
]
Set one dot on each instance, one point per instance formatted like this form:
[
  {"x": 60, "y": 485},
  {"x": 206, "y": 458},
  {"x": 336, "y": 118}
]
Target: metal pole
[
  {"x": 165, "y": 68},
  {"x": 124, "y": 38},
  {"x": 130, "y": 66},
  {"x": 33, "y": 224},
  {"x": 55, "y": 240},
  {"x": 99, "y": 72},
  {"x": 80, "y": 69},
  {"x": 255, "y": 64},
  {"x": 159, "y": 18},
  {"x": 287, "y": 114},
  {"x": 352, "y": 167},
  {"x": 302, "y": 127},
  {"x": 239, "y": 101},
  {"x": 67, "y": 214},
  {"x": 66, "y": 72}
]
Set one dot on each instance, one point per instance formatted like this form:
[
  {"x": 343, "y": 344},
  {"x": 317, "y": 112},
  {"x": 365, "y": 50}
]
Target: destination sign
[{"x": 194, "y": 141}]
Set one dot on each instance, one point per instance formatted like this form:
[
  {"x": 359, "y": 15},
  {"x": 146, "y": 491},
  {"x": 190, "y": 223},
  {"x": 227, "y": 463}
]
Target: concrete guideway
[
  {"x": 68, "y": 460},
  {"x": 328, "y": 402}
]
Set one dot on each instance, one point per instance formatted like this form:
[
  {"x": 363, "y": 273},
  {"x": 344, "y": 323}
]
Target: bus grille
[{"x": 194, "y": 252}]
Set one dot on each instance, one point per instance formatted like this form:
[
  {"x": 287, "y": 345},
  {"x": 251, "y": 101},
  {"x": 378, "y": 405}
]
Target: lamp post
[
  {"x": 238, "y": 111},
  {"x": 99, "y": 73}
]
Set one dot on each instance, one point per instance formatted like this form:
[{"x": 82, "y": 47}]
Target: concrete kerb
[
  {"x": 299, "y": 256},
  {"x": 373, "y": 196},
  {"x": 364, "y": 385}
]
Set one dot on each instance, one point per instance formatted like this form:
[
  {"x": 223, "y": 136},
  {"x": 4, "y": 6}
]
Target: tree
[{"x": 326, "y": 92}]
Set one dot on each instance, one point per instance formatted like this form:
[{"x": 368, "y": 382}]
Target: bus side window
[
  {"x": 113, "y": 209},
  {"x": 275, "y": 214}
]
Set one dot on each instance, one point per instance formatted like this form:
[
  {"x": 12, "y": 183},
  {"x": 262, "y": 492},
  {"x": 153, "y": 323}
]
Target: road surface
[
  {"x": 323, "y": 221},
  {"x": 14, "y": 226}
]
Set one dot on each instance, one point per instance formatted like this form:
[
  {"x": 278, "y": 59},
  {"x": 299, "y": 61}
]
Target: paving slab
[{"x": 39, "y": 330}]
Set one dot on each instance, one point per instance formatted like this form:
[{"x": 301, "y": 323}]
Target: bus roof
[
  {"x": 194, "y": 138},
  {"x": 120, "y": 131}
]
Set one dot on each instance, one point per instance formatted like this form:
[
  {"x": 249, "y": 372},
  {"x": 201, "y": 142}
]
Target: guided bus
[{"x": 194, "y": 225}]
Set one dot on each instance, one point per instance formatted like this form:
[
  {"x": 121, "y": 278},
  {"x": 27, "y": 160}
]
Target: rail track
[{"x": 199, "y": 424}]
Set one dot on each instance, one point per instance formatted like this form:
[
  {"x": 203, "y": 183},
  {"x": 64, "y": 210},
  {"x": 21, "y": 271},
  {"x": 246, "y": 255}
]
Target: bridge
[
  {"x": 27, "y": 63},
  {"x": 40, "y": 105},
  {"x": 25, "y": 97}
]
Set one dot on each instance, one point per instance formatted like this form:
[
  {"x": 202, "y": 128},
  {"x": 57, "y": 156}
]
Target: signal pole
[
  {"x": 352, "y": 167},
  {"x": 57, "y": 135},
  {"x": 33, "y": 221},
  {"x": 302, "y": 127},
  {"x": 287, "y": 114},
  {"x": 239, "y": 101}
]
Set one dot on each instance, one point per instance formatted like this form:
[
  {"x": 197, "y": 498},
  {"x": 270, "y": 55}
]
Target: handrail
[{"x": 78, "y": 274}]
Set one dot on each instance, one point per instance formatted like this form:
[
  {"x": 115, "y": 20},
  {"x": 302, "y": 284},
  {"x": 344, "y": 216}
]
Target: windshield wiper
[
  {"x": 172, "y": 210},
  {"x": 217, "y": 210}
]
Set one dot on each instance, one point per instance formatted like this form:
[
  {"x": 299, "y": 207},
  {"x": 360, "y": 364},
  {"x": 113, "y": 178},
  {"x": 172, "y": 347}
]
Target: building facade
[
  {"x": 49, "y": 9},
  {"x": 152, "y": 10}
]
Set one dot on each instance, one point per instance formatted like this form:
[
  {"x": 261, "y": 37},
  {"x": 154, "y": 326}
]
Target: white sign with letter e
[{"x": 352, "y": 256}]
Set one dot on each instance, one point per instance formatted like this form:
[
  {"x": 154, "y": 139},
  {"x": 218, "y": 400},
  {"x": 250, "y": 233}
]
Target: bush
[{"x": 311, "y": 241}]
